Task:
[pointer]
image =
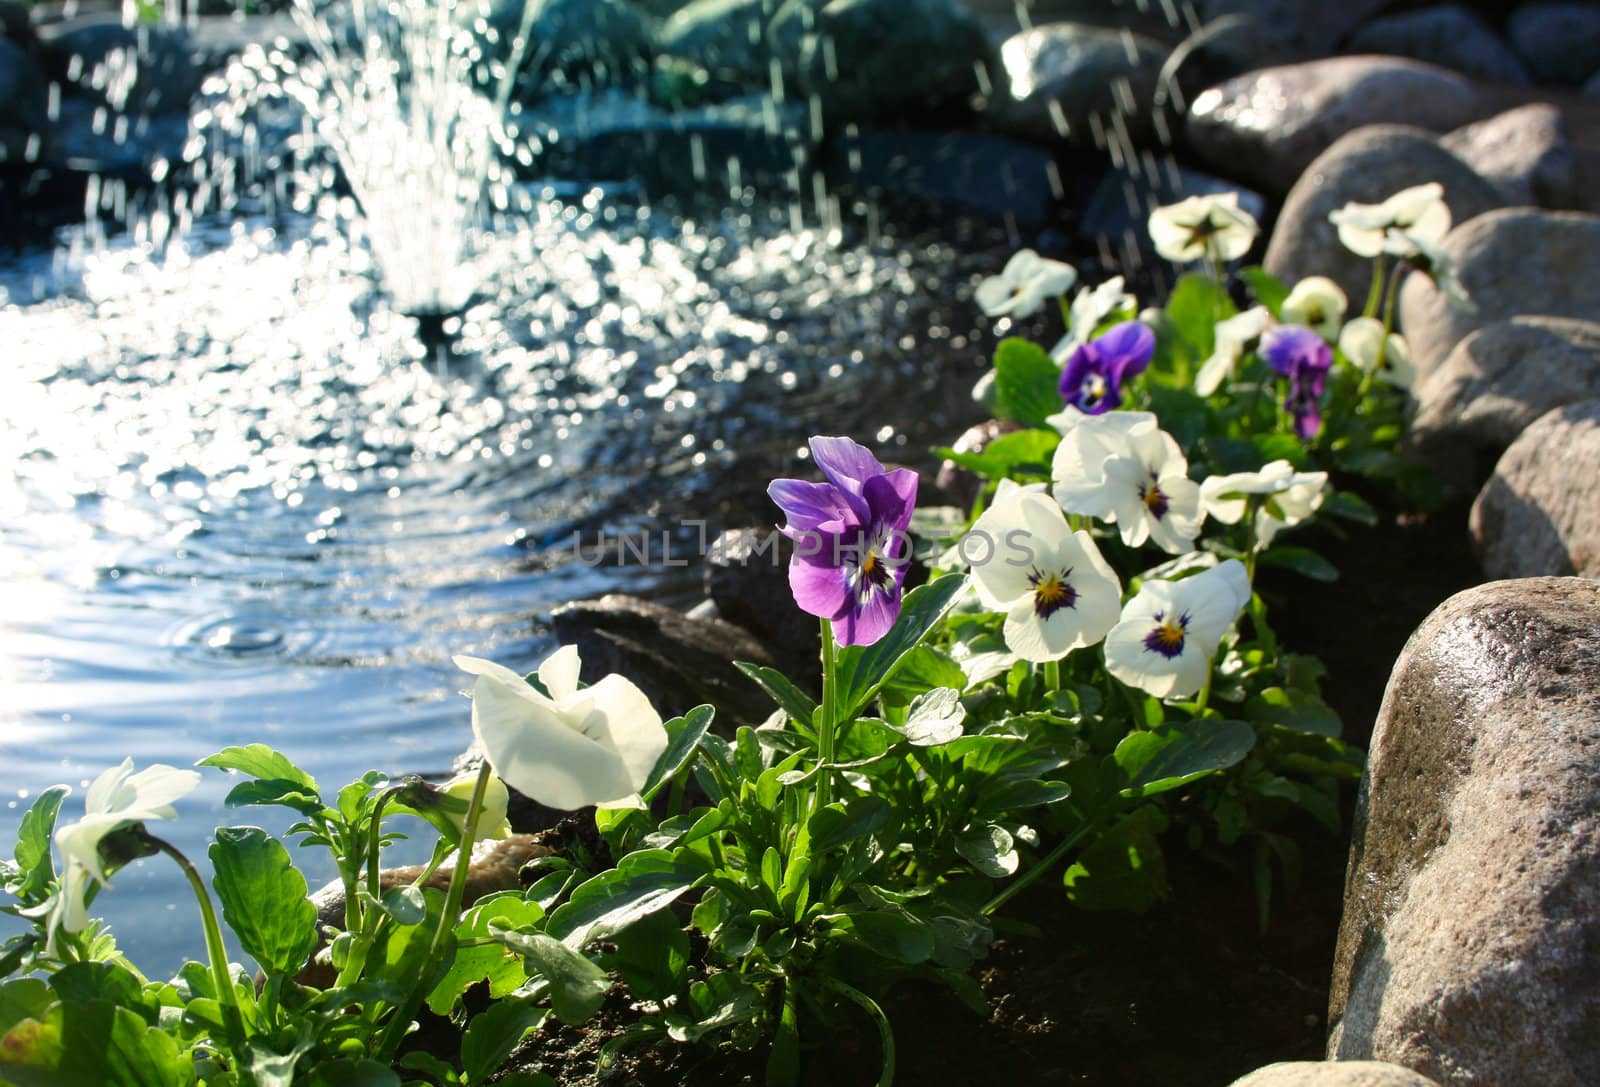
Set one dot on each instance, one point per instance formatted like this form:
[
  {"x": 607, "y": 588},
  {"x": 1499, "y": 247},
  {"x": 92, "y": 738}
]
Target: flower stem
[
  {"x": 828, "y": 724},
  {"x": 232, "y": 1017},
  {"x": 1022, "y": 882},
  {"x": 395, "y": 1032},
  {"x": 1375, "y": 292},
  {"x": 1052, "y": 675},
  {"x": 870, "y": 1006}
]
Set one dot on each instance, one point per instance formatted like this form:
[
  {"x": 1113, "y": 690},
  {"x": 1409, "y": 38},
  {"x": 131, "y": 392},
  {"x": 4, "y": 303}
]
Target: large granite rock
[
  {"x": 1494, "y": 384},
  {"x": 878, "y": 60},
  {"x": 1333, "y": 1074},
  {"x": 1449, "y": 36},
  {"x": 23, "y": 95},
  {"x": 1513, "y": 261},
  {"x": 728, "y": 38},
  {"x": 1264, "y": 128},
  {"x": 677, "y": 661},
  {"x": 1540, "y": 511},
  {"x": 1313, "y": 25},
  {"x": 1367, "y": 166},
  {"x": 1064, "y": 81},
  {"x": 1559, "y": 42},
  {"x": 571, "y": 42},
  {"x": 747, "y": 577},
  {"x": 1472, "y": 902},
  {"x": 145, "y": 68},
  {"x": 1524, "y": 152}
]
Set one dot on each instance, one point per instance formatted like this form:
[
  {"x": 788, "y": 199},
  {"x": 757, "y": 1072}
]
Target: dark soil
[{"x": 1193, "y": 992}]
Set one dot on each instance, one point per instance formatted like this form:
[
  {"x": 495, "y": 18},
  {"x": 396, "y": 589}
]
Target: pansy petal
[
  {"x": 104, "y": 788},
  {"x": 820, "y": 588},
  {"x": 537, "y": 752},
  {"x": 559, "y": 673},
  {"x": 866, "y": 624},
  {"x": 622, "y": 718},
  {"x": 846, "y": 463},
  {"x": 808, "y": 506}
]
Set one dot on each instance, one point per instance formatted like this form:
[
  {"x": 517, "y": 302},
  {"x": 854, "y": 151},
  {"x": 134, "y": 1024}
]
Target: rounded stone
[
  {"x": 1066, "y": 81},
  {"x": 1333, "y": 1074},
  {"x": 1524, "y": 152},
  {"x": 1449, "y": 36},
  {"x": 1265, "y": 127},
  {"x": 1540, "y": 511},
  {"x": 1559, "y": 42},
  {"x": 1512, "y": 262},
  {"x": 1366, "y": 166},
  {"x": 1472, "y": 901},
  {"x": 1496, "y": 382}
]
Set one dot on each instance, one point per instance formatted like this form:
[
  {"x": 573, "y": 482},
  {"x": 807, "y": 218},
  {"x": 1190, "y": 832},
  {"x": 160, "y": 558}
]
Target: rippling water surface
[{"x": 244, "y": 500}]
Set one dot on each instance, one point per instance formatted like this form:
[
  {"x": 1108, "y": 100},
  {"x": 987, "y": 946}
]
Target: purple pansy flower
[
  {"x": 1093, "y": 377},
  {"x": 1305, "y": 358},
  {"x": 851, "y": 549}
]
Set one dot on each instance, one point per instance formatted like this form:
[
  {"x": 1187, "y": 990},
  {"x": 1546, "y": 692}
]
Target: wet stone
[
  {"x": 1472, "y": 901},
  {"x": 1449, "y": 36},
  {"x": 747, "y": 577},
  {"x": 1067, "y": 81},
  {"x": 1559, "y": 42},
  {"x": 1524, "y": 152},
  {"x": 1540, "y": 511},
  {"x": 1334, "y": 1074}
]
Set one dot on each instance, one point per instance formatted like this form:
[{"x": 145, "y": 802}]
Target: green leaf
[
  {"x": 33, "y": 845},
  {"x": 494, "y": 1035},
  {"x": 1195, "y": 306},
  {"x": 1349, "y": 507},
  {"x": 789, "y": 698},
  {"x": 1267, "y": 288},
  {"x": 406, "y": 905},
  {"x": 264, "y": 898},
  {"x": 893, "y": 932},
  {"x": 935, "y": 718},
  {"x": 260, "y": 761},
  {"x": 641, "y": 883},
  {"x": 1026, "y": 382},
  {"x": 263, "y": 793},
  {"x": 23, "y": 998},
  {"x": 1124, "y": 868},
  {"x": 683, "y": 740},
  {"x": 81, "y": 982},
  {"x": 485, "y": 962},
  {"x": 1302, "y": 560},
  {"x": 989, "y": 849},
  {"x": 1302, "y": 711},
  {"x": 841, "y": 823},
  {"x": 350, "y": 1073},
  {"x": 1174, "y": 755},
  {"x": 78, "y": 1045},
  {"x": 861, "y": 670},
  {"x": 1021, "y": 451},
  {"x": 721, "y": 1000},
  {"x": 652, "y": 956},
  {"x": 577, "y": 986}
]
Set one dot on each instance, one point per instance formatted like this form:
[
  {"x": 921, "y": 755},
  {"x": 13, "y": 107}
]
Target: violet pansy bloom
[
  {"x": 1305, "y": 359},
  {"x": 1092, "y": 379},
  {"x": 850, "y": 543}
]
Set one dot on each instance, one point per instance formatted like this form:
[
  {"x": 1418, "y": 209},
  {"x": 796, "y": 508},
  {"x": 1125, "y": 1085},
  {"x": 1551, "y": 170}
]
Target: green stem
[
  {"x": 1052, "y": 675},
  {"x": 1022, "y": 882},
  {"x": 828, "y": 724},
  {"x": 395, "y": 1032},
  {"x": 870, "y": 1006},
  {"x": 232, "y": 1017},
  {"x": 1375, "y": 292},
  {"x": 1205, "y": 693}
]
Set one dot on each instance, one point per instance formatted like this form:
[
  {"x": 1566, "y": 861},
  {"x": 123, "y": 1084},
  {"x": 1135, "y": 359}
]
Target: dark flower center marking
[
  {"x": 872, "y": 574},
  {"x": 1154, "y": 498},
  {"x": 1052, "y": 592},
  {"x": 1168, "y": 636}
]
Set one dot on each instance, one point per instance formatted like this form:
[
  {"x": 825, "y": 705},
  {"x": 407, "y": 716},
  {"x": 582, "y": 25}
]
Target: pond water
[{"x": 243, "y": 499}]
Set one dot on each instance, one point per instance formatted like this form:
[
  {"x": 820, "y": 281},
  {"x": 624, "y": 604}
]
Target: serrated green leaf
[
  {"x": 577, "y": 986},
  {"x": 683, "y": 740},
  {"x": 843, "y": 822},
  {"x": 263, "y": 898},
  {"x": 642, "y": 883},
  {"x": 494, "y": 1035},
  {"x": 489, "y": 962},
  {"x": 789, "y": 698},
  {"x": 33, "y": 845},
  {"x": 861, "y": 670},
  {"x": 1174, "y": 755},
  {"x": 260, "y": 761},
  {"x": 935, "y": 718},
  {"x": 989, "y": 849}
]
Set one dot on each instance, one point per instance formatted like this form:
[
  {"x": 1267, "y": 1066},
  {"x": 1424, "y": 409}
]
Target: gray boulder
[
  {"x": 1559, "y": 42},
  {"x": 1512, "y": 261},
  {"x": 1495, "y": 383},
  {"x": 1367, "y": 166},
  {"x": 15, "y": 22},
  {"x": 144, "y": 68},
  {"x": 677, "y": 661},
  {"x": 1525, "y": 152},
  {"x": 1333, "y": 1074},
  {"x": 1264, "y": 128},
  {"x": 571, "y": 42},
  {"x": 1067, "y": 81},
  {"x": 1472, "y": 901},
  {"x": 866, "y": 60},
  {"x": 1313, "y": 25},
  {"x": 728, "y": 38},
  {"x": 1449, "y": 36},
  {"x": 1540, "y": 511},
  {"x": 23, "y": 95},
  {"x": 746, "y": 570}
]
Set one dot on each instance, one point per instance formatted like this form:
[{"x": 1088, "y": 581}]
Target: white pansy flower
[
  {"x": 1201, "y": 227},
  {"x": 1089, "y": 310},
  {"x": 1293, "y": 495},
  {"x": 1028, "y": 282},
  {"x": 1359, "y": 342},
  {"x": 1088, "y": 442},
  {"x": 1425, "y": 255},
  {"x": 573, "y": 749},
  {"x": 1233, "y": 337},
  {"x": 1150, "y": 494},
  {"x": 1055, "y": 589},
  {"x": 117, "y": 798},
  {"x": 1394, "y": 226},
  {"x": 1290, "y": 505},
  {"x": 1170, "y": 630},
  {"x": 1319, "y": 304}
]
